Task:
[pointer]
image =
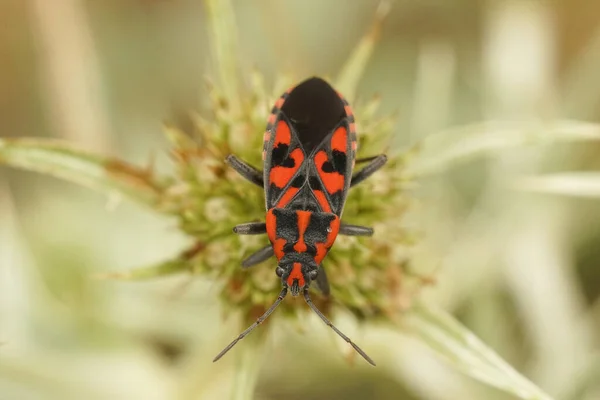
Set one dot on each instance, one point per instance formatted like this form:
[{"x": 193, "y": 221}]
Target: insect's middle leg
[
  {"x": 246, "y": 170},
  {"x": 375, "y": 163},
  {"x": 254, "y": 228},
  {"x": 250, "y": 228}
]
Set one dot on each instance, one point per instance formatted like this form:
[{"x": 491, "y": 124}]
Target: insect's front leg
[
  {"x": 256, "y": 258},
  {"x": 246, "y": 170},
  {"x": 355, "y": 230},
  {"x": 322, "y": 282}
]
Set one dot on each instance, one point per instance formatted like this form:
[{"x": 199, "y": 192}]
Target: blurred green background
[{"x": 521, "y": 270}]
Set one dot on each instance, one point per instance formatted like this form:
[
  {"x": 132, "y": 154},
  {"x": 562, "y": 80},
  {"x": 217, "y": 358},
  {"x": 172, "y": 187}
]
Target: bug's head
[{"x": 297, "y": 274}]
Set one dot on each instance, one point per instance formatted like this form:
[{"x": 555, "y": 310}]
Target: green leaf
[
  {"x": 60, "y": 160},
  {"x": 442, "y": 150},
  {"x": 579, "y": 184},
  {"x": 353, "y": 69},
  {"x": 453, "y": 342}
]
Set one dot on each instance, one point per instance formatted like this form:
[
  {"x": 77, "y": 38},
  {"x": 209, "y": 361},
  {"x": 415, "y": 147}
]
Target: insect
[{"x": 309, "y": 153}]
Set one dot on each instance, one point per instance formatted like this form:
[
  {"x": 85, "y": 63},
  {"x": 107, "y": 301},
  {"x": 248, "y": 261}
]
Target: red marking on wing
[
  {"x": 287, "y": 197},
  {"x": 323, "y": 248},
  {"x": 321, "y": 252},
  {"x": 277, "y": 243},
  {"x": 271, "y": 119},
  {"x": 271, "y": 222},
  {"x": 267, "y": 136},
  {"x": 280, "y": 176},
  {"x": 278, "y": 248},
  {"x": 339, "y": 140},
  {"x": 303, "y": 220},
  {"x": 296, "y": 274},
  {"x": 282, "y": 134},
  {"x": 333, "y": 181},
  {"x": 322, "y": 200},
  {"x": 352, "y": 127}
]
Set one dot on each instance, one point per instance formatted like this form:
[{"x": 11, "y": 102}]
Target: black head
[
  {"x": 314, "y": 108},
  {"x": 297, "y": 271}
]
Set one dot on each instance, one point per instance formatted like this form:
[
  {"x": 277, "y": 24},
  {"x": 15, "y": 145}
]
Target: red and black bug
[{"x": 309, "y": 153}]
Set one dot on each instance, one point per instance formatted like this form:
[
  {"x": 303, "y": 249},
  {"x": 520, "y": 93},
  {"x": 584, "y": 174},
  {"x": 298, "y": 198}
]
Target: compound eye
[
  {"x": 279, "y": 271},
  {"x": 313, "y": 274}
]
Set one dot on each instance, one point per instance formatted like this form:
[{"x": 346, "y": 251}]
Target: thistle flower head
[{"x": 210, "y": 198}]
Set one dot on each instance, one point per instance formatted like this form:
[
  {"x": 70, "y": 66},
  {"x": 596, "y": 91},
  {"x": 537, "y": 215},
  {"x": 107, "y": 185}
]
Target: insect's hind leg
[
  {"x": 355, "y": 230},
  {"x": 375, "y": 163},
  {"x": 246, "y": 170},
  {"x": 365, "y": 159},
  {"x": 256, "y": 258}
]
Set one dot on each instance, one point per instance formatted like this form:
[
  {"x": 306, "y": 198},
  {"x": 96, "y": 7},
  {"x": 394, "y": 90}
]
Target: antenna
[
  {"x": 324, "y": 318},
  {"x": 260, "y": 321}
]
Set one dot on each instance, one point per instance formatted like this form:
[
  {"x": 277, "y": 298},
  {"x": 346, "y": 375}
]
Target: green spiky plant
[{"x": 370, "y": 279}]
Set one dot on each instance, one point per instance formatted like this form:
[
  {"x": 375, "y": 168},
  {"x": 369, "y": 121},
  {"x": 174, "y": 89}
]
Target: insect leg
[
  {"x": 261, "y": 255},
  {"x": 250, "y": 228},
  {"x": 246, "y": 170},
  {"x": 322, "y": 282},
  {"x": 355, "y": 230},
  {"x": 374, "y": 165},
  {"x": 365, "y": 159}
]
